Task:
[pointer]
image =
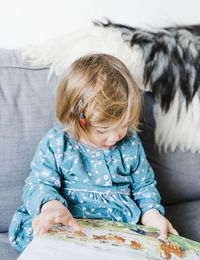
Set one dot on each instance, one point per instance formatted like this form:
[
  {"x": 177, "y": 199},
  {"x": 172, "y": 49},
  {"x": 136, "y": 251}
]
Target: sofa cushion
[
  {"x": 26, "y": 113},
  {"x": 177, "y": 173},
  {"x": 7, "y": 252},
  {"x": 185, "y": 218}
]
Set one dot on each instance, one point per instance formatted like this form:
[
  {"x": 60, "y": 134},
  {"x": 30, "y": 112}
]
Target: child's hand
[
  {"x": 153, "y": 218},
  {"x": 53, "y": 212}
]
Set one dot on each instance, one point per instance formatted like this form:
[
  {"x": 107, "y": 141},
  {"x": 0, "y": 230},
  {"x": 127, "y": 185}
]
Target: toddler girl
[{"x": 93, "y": 165}]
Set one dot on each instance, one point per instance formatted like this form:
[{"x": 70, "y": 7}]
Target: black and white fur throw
[
  {"x": 172, "y": 73},
  {"x": 171, "y": 59},
  {"x": 165, "y": 61}
]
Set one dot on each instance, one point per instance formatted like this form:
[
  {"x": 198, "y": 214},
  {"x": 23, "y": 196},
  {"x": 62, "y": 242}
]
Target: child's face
[{"x": 102, "y": 137}]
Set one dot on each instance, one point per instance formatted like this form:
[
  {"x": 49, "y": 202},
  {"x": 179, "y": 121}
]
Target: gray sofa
[{"x": 27, "y": 112}]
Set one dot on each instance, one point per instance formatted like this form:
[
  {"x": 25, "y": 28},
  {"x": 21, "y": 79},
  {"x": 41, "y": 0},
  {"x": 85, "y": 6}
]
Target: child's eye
[{"x": 100, "y": 132}]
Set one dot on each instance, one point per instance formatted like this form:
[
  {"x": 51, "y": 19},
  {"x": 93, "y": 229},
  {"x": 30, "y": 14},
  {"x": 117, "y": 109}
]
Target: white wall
[{"x": 25, "y": 22}]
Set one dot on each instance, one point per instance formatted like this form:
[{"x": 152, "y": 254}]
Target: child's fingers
[
  {"x": 163, "y": 232},
  {"x": 70, "y": 221},
  {"x": 39, "y": 227},
  {"x": 163, "y": 229},
  {"x": 172, "y": 230},
  {"x": 74, "y": 224},
  {"x": 44, "y": 228},
  {"x": 35, "y": 226},
  {"x": 39, "y": 230}
]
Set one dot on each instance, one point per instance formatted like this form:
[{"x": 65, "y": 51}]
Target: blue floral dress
[{"x": 115, "y": 184}]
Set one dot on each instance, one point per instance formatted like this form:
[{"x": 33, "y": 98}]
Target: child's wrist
[
  {"x": 50, "y": 203},
  {"x": 149, "y": 214}
]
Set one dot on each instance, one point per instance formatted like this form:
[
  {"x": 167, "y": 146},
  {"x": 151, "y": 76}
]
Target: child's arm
[
  {"x": 146, "y": 194},
  {"x": 41, "y": 197},
  {"x": 44, "y": 180},
  {"x": 43, "y": 184},
  {"x": 53, "y": 212}
]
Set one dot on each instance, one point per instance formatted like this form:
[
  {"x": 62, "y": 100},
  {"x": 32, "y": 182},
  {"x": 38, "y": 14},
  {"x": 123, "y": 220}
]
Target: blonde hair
[{"x": 107, "y": 90}]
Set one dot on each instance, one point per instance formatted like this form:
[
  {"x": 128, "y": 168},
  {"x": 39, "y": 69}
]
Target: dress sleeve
[
  {"x": 145, "y": 192},
  {"x": 44, "y": 180}
]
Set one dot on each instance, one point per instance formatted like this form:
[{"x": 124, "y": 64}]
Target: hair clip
[{"x": 82, "y": 116}]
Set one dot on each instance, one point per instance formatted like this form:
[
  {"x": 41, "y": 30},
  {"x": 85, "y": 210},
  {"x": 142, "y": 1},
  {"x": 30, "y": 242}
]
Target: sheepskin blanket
[{"x": 164, "y": 61}]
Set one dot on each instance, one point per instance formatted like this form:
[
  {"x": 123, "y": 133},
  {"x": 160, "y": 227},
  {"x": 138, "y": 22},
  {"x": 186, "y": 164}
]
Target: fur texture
[
  {"x": 163, "y": 61},
  {"x": 60, "y": 52},
  {"x": 172, "y": 73},
  {"x": 171, "y": 58}
]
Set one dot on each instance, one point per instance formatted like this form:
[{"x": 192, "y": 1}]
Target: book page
[{"x": 102, "y": 239}]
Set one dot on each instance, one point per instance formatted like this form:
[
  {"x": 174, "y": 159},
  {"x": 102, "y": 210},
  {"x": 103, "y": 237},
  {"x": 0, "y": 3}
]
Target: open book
[{"x": 102, "y": 239}]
